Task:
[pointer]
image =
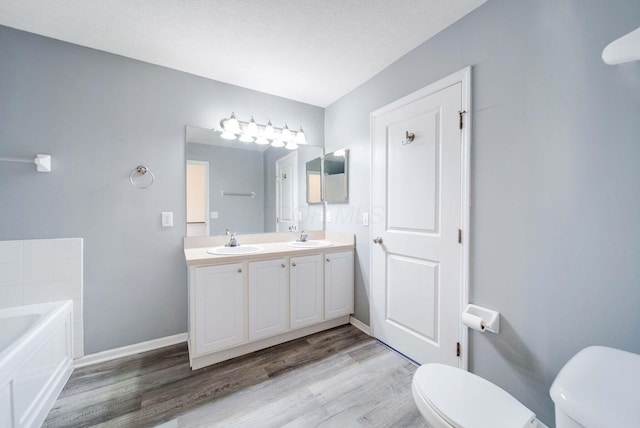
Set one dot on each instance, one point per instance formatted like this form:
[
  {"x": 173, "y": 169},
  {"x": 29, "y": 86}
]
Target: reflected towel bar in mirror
[{"x": 251, "y": 194}]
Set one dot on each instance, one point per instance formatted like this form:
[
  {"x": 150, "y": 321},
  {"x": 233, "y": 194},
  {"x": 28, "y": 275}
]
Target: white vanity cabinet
[
  {"x": 338, "y": 284},
  {"x": 258, "y": 301},
  {"x": 217, "y": 302},
  {"x": 268, "y": 298},
  {"x": 307, "y": 290}
]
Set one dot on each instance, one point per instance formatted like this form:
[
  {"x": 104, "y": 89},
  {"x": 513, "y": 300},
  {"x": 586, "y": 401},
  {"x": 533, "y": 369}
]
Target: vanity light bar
[{"x": 251, "y": 131}]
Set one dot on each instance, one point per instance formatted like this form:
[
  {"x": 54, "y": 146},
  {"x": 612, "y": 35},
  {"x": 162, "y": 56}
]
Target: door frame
[
  {"x": 293, "y": 154},
  {"x": 207, "y": 194},
  {"x": 464, "y": 77}
]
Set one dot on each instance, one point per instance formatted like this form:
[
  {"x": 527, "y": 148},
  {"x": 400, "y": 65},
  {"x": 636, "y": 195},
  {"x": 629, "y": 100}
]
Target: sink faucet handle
[{"x": 233, "y": 239}]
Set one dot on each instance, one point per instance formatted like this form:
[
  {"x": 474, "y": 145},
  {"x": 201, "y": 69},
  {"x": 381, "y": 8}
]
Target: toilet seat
[{"x": 465, "y": 400}]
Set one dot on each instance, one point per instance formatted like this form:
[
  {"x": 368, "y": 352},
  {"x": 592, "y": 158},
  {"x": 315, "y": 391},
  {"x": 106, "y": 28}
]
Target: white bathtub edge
[
  {"x": 55, "y": 387},
  {"x": 125, "y": 351}
]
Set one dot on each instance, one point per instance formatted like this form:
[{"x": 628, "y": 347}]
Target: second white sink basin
[
  {"x": 312, "y": 243},
  {"x": 241, "y": 249}
]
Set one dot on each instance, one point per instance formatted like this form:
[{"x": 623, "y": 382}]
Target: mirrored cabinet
[{"x": 327, "y": 178}]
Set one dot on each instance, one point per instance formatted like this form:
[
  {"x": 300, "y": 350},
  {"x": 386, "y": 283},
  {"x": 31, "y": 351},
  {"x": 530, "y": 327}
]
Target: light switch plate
[
  {"x": 214, "y": 214},
  {"x": 365, "y": 219},
  {"x": 167, "y": 219}
]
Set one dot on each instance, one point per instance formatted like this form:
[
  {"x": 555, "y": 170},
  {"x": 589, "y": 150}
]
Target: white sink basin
[
  {"x": 241, "y": 249},
  {"x": 312, "y": 243}
]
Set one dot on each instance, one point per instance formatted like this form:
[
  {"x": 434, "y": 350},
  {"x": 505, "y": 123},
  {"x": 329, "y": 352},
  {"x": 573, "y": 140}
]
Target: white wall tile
[
  {"x": 11, "y": 295},
  {"x": 77, "y": 310},
  {"x": 11, "y": 274},
  {"x": 78, "y": 339},
  {"x": 38, "y": 249},
  {"x": 67, "y": 269},
  {"x": 11, "y": 251},
  {"x": 70, "y": 289},
  {"x": 67, "y": 248},
  {"x": 40, "y": 271},
  {"x": 44, "y": 270},
  {"x": 38, "y": 293}
]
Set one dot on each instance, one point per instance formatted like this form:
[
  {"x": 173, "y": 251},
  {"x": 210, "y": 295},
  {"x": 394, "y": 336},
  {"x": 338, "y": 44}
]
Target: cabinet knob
[
  {"x": 377, "y": 240},
  {"x": 283, "y": 265},
  {"x": 239, "y": 270},
  {"x": 293, "y": 264},
  {"x": 328, "y": 260}
]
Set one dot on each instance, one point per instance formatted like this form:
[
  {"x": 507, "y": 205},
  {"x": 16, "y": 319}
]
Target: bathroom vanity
[{"x": 245, "y": 302}]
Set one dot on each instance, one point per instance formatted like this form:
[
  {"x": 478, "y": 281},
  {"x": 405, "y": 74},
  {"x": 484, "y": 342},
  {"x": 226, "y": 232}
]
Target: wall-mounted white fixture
[
  {"x": 43, "y": 162},
  {"x": 481, "y": 319},
  {"x": 624, "y": 49},
  {"x": 249, "y": 132}
]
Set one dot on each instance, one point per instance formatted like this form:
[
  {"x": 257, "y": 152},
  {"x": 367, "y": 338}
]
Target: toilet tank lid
[
  {"x": 598, "y": 387},
  {"x": 466, "y": 400}
]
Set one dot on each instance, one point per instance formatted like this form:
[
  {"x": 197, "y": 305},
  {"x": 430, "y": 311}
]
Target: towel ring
[{"x": 141, "y": 171}]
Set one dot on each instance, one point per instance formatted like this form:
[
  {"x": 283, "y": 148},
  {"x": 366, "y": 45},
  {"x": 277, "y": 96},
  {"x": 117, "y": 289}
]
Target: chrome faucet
[
  {"x": 233, "y": 239},
  {"x": 304, "y": 237}
]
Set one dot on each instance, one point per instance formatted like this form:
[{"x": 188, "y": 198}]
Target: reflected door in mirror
[
  {"x": 287, "y": 193},
  {"x": 197, "y": 182}
]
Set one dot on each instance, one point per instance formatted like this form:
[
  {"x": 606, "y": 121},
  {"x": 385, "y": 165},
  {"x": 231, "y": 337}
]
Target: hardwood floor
[{"x": 337, "y": 378}]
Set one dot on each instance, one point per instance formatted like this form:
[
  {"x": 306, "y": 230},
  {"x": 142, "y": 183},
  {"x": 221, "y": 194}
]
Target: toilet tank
[{"x": 598, "y": 387}]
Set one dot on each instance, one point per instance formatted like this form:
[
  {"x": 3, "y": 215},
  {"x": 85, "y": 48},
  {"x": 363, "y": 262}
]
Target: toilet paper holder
[{"x": 481, "y": 319}]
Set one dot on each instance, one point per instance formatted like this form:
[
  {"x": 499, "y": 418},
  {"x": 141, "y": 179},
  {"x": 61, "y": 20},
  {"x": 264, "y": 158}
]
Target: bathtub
[{"x": 36, "y": 360}]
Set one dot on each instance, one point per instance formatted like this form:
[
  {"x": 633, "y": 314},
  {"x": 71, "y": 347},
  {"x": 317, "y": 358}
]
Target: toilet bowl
[
  {"x": 597, "y": 387},
  {"x": 450, "y": 397}
]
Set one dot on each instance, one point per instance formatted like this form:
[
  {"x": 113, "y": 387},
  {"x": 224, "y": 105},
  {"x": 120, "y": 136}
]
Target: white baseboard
[
  {"x": 125, "y": 351},
  {"x": 360, "y": 326}
]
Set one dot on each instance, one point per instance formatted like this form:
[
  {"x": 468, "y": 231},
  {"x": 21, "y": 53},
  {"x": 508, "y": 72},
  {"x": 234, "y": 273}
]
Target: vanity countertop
[{"x": 274, "y": 244}]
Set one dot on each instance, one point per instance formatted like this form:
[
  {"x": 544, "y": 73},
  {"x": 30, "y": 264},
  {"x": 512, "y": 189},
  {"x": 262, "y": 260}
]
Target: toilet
[{"x": 597, "y": 387}]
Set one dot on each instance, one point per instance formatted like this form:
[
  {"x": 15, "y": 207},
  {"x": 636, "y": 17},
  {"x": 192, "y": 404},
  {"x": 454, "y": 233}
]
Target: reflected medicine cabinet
[{"x": 327, "y": 178}]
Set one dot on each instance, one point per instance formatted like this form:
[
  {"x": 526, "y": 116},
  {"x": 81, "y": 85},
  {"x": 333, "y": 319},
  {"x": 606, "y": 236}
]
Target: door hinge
[
  {"x": 461, "y": 118},
  {"x": 458, "y": 349},
  {"x": 459, "y": 236}
]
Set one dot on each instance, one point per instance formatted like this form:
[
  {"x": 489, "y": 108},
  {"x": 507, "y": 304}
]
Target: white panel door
[
  {"x": 287, "y": 193},
  {"x": 268, "y": 298},
  {"x": 219, "y": 296},
  {"x": 307, "y": 290},
  {"x": 417, "y": 193},
  {"x": 338, "y": 284}
]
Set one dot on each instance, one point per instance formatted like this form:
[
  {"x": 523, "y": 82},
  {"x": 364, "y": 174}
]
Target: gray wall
[
  {"x": 555, "y": 171},
  {"x": 99, "y": 116},
  {"x": 235, "y": 171}
]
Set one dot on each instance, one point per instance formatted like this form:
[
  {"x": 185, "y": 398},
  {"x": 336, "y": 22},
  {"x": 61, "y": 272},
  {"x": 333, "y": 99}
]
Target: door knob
[{"x": 378, "y": 240}]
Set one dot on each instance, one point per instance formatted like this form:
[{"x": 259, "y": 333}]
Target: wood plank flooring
[{"x": 336, "y": 378}]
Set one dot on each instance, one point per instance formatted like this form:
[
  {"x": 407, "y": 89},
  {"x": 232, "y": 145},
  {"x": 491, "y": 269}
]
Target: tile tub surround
[
  {"x": 275, "y": 244},
  {"x": 44, "y": 270}
]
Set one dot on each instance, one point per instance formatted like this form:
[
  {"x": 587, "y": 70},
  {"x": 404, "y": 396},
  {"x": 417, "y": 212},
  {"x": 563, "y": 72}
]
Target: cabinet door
[
  {"x": 338, "y": 284},
  {"x": 218, "y": 300},
  {"x": 307, "y": 296},
  {"x": 268, "y": 298}
]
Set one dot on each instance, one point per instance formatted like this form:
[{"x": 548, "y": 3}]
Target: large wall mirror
[{"x": 246, "y": 188}]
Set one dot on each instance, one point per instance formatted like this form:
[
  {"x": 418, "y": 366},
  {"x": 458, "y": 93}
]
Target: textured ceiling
[{"x": 314, "y": 51}]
